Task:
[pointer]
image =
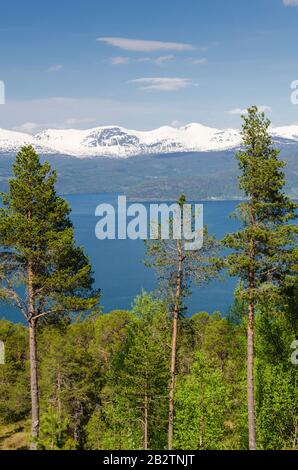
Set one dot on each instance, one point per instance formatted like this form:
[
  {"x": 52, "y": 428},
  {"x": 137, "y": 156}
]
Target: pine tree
[
  {"x": 176, "y": 269},
  {"x": 39, "y": 253},
  {"x": 264, "y": 257}
]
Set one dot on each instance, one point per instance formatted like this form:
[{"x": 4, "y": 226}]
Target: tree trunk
[
  {"x": 59, "y": 403},
  {"x": 146, "y": 420},
  {"x": 33, "y": 360},
  {"x": 295, "y": 440},
  {"x": 250, "y": 346},
  {"x": 250, "y": 380},
  {"x": 174, "y": 347},
  {"x": 34, "y": 385}
]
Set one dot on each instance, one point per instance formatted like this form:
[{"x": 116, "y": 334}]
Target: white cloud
[
  {"x": 240, "y": 111},
  {"x": 33, "y": 127},
  {"x": 198, "y": 61},
  {"x": 177, "y": 123},
  {"x": 143, "y": 59},
  {"x": 27, "y": 127},
  {"x": 163, "y": 59},
  {"x": 162, "y": 83},
  {"x": 237, "y": 111},
  {"x": 140, "y": 45},
  {"x": 77, "y": 121},
  {"x": 119, "y": 60},
  {"x": 55, "y": 68},
  {"x": 290, "y": 3}
]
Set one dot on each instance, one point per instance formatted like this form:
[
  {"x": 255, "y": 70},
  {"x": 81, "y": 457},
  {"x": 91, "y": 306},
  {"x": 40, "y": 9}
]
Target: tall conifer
[
  {"x": 42, "y": 271},
  {"x": 264, "y": 250}
]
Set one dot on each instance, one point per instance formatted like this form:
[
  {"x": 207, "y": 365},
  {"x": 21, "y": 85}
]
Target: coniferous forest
[{"x": 152, "y": 377}]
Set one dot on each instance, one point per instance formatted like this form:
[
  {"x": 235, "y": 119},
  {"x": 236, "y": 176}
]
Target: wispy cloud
[
  {"x": 27, "y": 127},
  {"x": 140, "y": 45},
  {"x": 240, "y": 111},
  {"x": 201, "y": 61},
  {"x": 77, "y": 121},
  {"x": 163, "y": 59},
  {"x": 290, "y": 3},
  {"x": 121, "y": 60},
  {"x": 33, "y": 127},
  {"x": 177, "y": 123},
  {"x": 55, "y": 68},
  {"x": 162, "y": 83}
]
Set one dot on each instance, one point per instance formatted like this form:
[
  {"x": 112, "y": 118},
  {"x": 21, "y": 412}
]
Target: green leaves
[{"x": 138, "y": 377}]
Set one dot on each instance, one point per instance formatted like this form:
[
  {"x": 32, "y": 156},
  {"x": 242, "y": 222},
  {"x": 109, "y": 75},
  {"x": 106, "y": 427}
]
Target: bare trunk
[
  {"x": 295, "y": 440},
  {"x": 250, "y": 348},
  {"x": 174, "y": 348},
  {"x": 33, "y": 360},
  {"x": 59, "y": 403},
  {"x": 250, "y": 380},
  {"x": 146, "y": 406},
  {"x": 34, "y": 385}
]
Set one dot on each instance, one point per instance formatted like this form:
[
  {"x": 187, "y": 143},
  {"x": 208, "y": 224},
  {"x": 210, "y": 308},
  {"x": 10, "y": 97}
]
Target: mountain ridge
[{"x": 119, "y": 142}]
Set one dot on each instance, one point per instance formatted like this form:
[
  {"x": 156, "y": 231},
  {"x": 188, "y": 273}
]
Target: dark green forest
[{"x": 152, "y": 377}]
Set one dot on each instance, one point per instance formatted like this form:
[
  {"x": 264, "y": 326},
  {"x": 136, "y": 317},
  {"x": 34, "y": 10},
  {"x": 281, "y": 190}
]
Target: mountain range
[
  {"x": 118, "y": 142},
  {"x": 195, "y": 160}
]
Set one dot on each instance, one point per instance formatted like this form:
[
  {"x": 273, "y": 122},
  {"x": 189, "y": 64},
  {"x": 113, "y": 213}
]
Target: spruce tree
[
  {"x": 264, "y": 251},
  {"x": 42, "y": 271}
]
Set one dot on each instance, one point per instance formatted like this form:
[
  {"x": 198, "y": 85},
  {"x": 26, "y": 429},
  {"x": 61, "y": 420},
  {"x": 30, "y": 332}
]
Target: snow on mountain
[
  {"x": 286, "y": 132},
  {"x": 118, "y": 142},
  {"x": 10, "y": 140}
]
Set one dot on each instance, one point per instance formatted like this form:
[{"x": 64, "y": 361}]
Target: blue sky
[{"x": 143, "y": 64}]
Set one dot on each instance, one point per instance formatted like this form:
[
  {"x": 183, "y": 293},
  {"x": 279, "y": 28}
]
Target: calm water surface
[{"x": 118, "y": 264}]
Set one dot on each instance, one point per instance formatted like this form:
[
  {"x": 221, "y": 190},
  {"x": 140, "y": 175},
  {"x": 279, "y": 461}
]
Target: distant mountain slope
[
  {"x": 200, "y": 175},
  {"x": 118, "y": 142}
]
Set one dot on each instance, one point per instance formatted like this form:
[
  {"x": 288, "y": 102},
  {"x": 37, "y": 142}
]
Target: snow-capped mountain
[{"x": 118, "y": 142}]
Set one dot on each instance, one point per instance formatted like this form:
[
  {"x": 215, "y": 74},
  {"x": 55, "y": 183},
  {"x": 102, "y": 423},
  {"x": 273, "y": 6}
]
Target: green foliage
[
  {"x": 198, "y": 266},
  {"x": 14, "y": 374},
  {"x": 38, "y": 241},
  {"x": 104, "y": 378},
  {"x": 265, "y": 253},
  {"x": 53, "y": 431},
  {"x": 137, "y": 378},
  {"x": 69, "y": 379},
  {"x": 277, "y": 399},
  {"x": 202, "y": 403},
  {"x": 276, "y": 380},
  {"x": 93, "y": 374},
  {"x": 265, "y": 216},
  {"x": 221, "y": 348}
]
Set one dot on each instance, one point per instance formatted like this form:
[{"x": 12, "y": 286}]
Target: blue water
[{"x": 118, "y": 264}]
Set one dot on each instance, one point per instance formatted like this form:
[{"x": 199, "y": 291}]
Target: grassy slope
[{"x": 15, "y": 436}]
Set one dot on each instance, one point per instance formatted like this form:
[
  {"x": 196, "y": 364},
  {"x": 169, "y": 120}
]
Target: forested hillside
[
  {"x": 93, "y": 374},
  {"x": 200, "y": 175}
]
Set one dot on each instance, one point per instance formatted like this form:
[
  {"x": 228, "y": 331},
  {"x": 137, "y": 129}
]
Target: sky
[{"x": 144, "y": 64}]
